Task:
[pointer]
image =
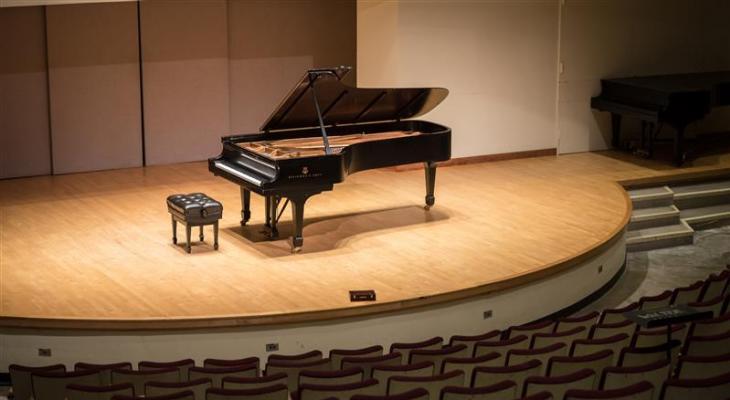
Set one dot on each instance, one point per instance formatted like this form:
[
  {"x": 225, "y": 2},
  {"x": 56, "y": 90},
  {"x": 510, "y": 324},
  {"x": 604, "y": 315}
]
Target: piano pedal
[{"x": 643, "y": 153}]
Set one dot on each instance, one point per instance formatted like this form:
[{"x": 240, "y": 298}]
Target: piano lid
[{"x": 342, "y": 104}]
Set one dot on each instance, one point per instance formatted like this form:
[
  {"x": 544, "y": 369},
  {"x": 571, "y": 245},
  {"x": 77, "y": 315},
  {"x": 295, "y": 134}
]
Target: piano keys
[
  {"x": 676, "y": 100},
  {"x": 323, "y": 131}
]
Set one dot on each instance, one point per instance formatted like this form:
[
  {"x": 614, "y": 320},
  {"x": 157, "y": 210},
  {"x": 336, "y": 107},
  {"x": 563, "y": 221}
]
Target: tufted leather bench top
[{"x": 195, "y": 207}]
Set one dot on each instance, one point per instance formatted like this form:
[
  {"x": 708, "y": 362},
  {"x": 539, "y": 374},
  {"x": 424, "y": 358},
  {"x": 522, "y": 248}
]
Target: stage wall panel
[
  {"x": 24, "y": 138},
  {"x": 93, "y": 61}
]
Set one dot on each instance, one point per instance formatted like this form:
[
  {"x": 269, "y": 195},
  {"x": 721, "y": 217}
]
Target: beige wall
[
  {"x": 603, "y": 39},
  {"x": 497, "y": 58},
  {"x": 93, "y": 69},
  {"x": 24, "y": 139},
  {"x": 185, "y": 74}
]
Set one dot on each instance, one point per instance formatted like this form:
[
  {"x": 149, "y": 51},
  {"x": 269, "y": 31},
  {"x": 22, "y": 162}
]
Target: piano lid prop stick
[{"x": 312, "y": 78}]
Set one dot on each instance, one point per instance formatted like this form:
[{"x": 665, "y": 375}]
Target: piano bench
[{"x": 194, "y": 209}]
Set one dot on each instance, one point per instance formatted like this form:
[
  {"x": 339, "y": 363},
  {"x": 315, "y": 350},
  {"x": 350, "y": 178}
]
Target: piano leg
[
  {"x": 297, "y": 210},
  {"x": 267, "y": 206},
  {"x": 273, "y": 202},
  {"x": 430, "y": 168},
  {"x": 679, "y": 153},
  {"x": 616, "y": 130},
  {"x": 245, "y": 205}
]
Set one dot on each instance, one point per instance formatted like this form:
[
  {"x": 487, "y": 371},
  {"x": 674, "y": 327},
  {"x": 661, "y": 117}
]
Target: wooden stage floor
[{"x": 95, "y": 248}]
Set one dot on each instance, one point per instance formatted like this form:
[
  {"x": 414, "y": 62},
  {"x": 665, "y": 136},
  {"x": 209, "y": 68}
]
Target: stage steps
[{"x": 666, "y": 216}]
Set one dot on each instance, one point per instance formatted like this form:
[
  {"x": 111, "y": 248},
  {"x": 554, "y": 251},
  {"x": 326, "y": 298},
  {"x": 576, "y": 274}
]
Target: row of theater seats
[{"x": 592, "y": 356}]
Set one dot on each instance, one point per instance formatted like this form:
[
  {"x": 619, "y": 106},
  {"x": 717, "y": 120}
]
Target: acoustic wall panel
[
  {"x": 185, "y": 75},
  {"x": 272, "y": 43},
  {"x": 94, "y": 82},
  {"x": 24, "y": 138}
]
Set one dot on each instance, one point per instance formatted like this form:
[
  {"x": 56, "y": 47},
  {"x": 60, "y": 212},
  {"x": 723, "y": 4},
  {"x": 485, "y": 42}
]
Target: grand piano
[
  {"x": 323, "y": 131},
  {"x": 677, "y": 100}
]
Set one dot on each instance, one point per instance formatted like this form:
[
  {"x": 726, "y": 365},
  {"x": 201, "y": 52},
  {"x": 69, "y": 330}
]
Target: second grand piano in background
[{"x": 325, "y": 130}]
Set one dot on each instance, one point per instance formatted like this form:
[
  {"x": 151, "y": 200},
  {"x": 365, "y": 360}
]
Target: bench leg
[
  {"x": 188, "y": 228},
  {"x": 201, "y": 237},
  {"x": 174, "y": 230},
  {"x": 215, "y": 235}
]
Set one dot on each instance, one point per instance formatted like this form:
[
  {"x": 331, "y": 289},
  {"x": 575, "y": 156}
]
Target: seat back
[
  {"x": 336, "y": 355},
  {"x": 710, "y": 327},
  {"x": 582, "y": 347},
  {"x": 558, "y": 385},
  {"x": 546, "y": 339},
  {"x": 572, "y": 322},
  {"x": 20, "y": 378},
  {"x": 706, "y": 389},
  {"x": 273, "y": 392},
  {"x": 182, "y": 366},
  {"x": 703, "y": 367},
  {"x": 470, "y": 341},
  {"x": 658, "y": 336},
  {"x": 506, "y": 390},
  {"x": 382, "y": 373},
  {"x": 433, "y": 384},
  {"x": 254, "y": 382},
  {"x": 486, "y": 376},
  {"x": 543, "y": 354},
  {"x": 501, "y": 346},
  {"x": 637, "y": 391},
  {"x": 610, "y": 316},
  {"x": 52, "y": 385},
  {"x": 468, "y": 364},
  {"x": 715, "y": 286},
  {"x": 105, "y": 370},
  {"x": 139, "y": 378},
  {"x": 336, "y": 377},
  {"x": 367, "y": 363},
  {"x": 216, "y": 375},
  {"x": 307, "y": 357},
  {"x": 197, "y": 386},
  {"x": 715, "y": 305},
  {"x": 292, "y": 370},
  {"x": 320, "y": 392},
  {"x": 663, "y": 299},
  {"x": 617, "y": 377},
  {"x": 103, "y": 392},
  {"x": 405, "y": 348},
  {"x": 687, "y": 294},
  {"x": 221, "y": 362},
  {"x": 437, "y": 356},
  {"x": 602, "y": 331},
  {"x": 547, "y": 326},
  {"x": 564, "y": 365},
  {"x": 184, "y": 395},
  {"x": 638, "y": 356},
  {"x": 415, "y": 394}
]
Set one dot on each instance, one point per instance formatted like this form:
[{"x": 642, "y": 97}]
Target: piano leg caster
[
  {"x": 430, "y": 200},
  {"x": 296, "y": 245},
  {"x": 273, "y": 233}
]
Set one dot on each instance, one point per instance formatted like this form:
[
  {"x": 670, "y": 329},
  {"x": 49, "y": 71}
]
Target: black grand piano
[
  {"x": 323, "y": 131},
  {"x": 677, "y": 100}
]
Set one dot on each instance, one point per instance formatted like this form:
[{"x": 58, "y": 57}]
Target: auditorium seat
[
  {"x": 505, "y": 390},
  {"x": 486, "y": 376},
  {"x": 687, "y": 294},
  {"x": 558, "y": 385},
  {"x": 706, "y": 345},
  {"x": 309, "y": 356},
  {"x": 701, "y": 367},
  {"x": 181, "y": 365},
  {"x": 637, "y": 356},
  {"x": 716, "y": 305},
  {"x": 638, "y": 391},
  {"x": 660, "y": 300},
  {"x": 657, "y": 336},
  {"x": 139, "y": 378},
  {"x": 437, "y": 356},
  {"x": 711, "y": 326},
  {"x": 336, "y": 355},
  {"x": 715, "y": 388},
  {"x": 254, "y": 382},
  {"x": 542, "y": 354},
  {"x": 501, "y": 346},
  {"x": 605, "y": 330},
  {"x": 546, "y": 326},
  {"x": 292, "y": 370},
  {"x": 273, "y": 392},
  {"x": 545, "y": 339},
  {"x": 405, "y": 348},
  {"x": 614, "y": 343},
  {"x": 563, "y": 365},
  {"x": 415, "y": 394},
  {"x": 20, "y": 378},
  {"x": 334, "y": 377},
  {"x": 617, "y": 377},
  {"x": 469, "y": 363},
  {"x": 344, "y": 391},
  {"x": 539, "y": 396},
  {"x": 197, "y": 386},
  {"x": 433, "y": 384},
  {"x": 715, "y": 286},
  {"x": 52, "y": 385},
  {"x": 471, "y": 340},
  {"x": 219, "y": 362},
  {"x": 367, "y": 363},
  {"x": 185, "y": 395},
  {"x": 216, "y": 375},
  {"x": 103, "y": 392},
  {"x": 614, "y": 315},
  {"x": 585, "y": 321},
  {"x": 383, "y": 372},
  {"x": 105, "y": 370}
]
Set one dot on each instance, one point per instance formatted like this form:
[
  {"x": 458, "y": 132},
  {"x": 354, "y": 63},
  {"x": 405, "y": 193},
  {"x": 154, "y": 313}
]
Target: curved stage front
[{"x": 88, "y": 268}]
